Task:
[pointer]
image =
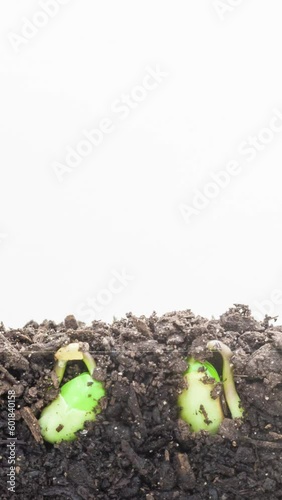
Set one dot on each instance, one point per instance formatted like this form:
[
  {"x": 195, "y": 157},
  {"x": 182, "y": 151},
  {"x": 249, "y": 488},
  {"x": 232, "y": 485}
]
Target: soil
[{"x": 138, "y": 448}]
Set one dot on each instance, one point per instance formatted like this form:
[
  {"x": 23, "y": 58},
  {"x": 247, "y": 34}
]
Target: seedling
[
  {"x": 77, "y": 401},
  {"x": 231, "y": 395},
  {"x": 200, "y": 403}
]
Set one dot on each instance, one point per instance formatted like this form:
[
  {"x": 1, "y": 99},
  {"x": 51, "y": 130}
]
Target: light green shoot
[
  {"x": 71, "y": 352},
  {"x": 231, "y": 395}
]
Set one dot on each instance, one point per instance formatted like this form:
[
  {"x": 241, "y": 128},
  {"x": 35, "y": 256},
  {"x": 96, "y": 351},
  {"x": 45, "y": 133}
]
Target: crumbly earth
[{"x": 138, "y": 448}]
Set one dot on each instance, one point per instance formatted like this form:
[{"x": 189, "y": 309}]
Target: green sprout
[
  {"x": 200, "y": 402},
  {"x": 231, "y": 395},
  {"x": 77, "y": 401}
]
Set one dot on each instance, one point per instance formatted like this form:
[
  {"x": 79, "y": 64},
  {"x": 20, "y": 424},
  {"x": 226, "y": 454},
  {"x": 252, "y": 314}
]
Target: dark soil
[{"x": 138, "y": 448}]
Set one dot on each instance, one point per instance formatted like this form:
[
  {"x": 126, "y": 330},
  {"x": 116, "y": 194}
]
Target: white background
[{"x": 119, "y": 209}]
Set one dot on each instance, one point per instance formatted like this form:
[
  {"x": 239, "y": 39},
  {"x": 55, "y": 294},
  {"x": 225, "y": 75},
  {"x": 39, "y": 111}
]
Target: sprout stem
[
  {"x": 59, "y": 370},
  {"x": 231, "y": 395},
  {"x": 74, "y": 351},
  {"x": 90, "y": 363}
]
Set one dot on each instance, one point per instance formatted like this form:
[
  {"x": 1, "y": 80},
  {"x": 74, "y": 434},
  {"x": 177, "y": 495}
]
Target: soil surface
[{"x": 138, "y": 448}]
